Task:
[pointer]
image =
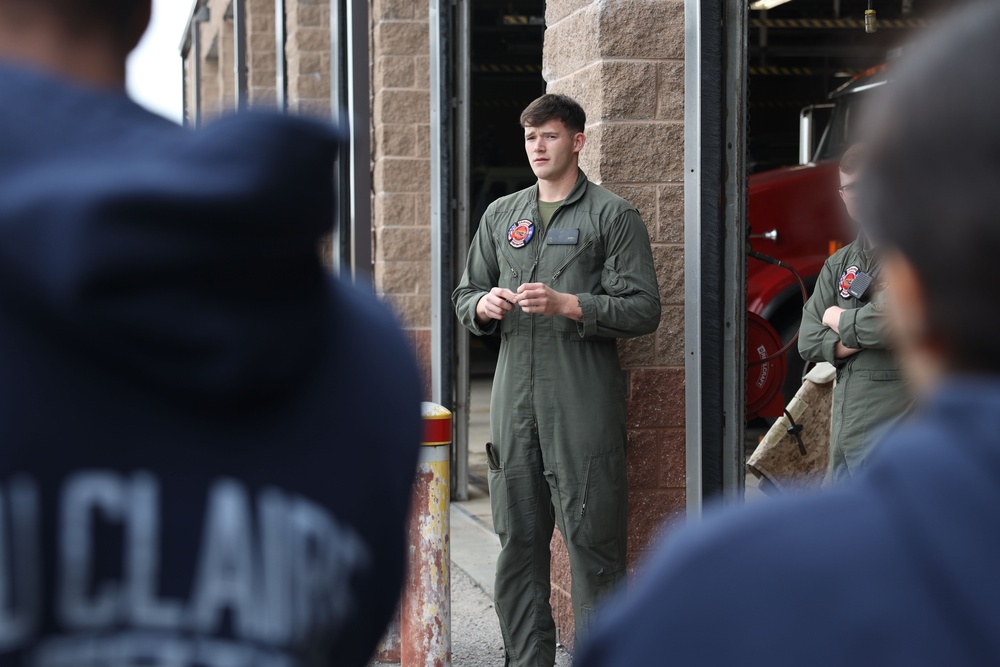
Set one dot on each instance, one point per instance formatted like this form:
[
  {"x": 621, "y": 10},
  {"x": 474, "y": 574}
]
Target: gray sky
[{"x": 154, "y": 68}]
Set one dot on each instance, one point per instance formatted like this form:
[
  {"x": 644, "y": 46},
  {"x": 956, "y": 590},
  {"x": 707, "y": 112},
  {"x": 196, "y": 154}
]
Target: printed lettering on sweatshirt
[{"x": 271, "y": 569}]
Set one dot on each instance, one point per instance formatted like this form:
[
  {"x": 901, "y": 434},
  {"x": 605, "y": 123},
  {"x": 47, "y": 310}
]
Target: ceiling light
[{"x": 766, "y": 4}]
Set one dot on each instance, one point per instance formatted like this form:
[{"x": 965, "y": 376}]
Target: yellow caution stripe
[{"x": 833, "y": 24}]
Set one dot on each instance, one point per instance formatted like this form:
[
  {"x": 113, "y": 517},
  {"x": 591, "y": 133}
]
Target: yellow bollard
[{"x": 426, "y": 610}]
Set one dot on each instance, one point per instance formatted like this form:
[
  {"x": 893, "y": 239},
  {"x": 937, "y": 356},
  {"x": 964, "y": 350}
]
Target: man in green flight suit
[
  {"x": 844, "y": 323},
  {"x": 561, "y": 270}
]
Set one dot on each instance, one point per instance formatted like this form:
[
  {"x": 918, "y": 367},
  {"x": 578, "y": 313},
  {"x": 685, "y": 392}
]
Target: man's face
[
  {"x": 552, "y": 149},
  {"x": 849, "y": 191}
]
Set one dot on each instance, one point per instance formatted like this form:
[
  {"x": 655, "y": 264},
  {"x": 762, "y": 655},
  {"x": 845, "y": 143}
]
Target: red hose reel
[{"x": 766, "y": 369}]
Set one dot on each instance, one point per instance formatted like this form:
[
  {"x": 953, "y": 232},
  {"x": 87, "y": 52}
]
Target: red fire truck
[{"x": 796, "y": 216}]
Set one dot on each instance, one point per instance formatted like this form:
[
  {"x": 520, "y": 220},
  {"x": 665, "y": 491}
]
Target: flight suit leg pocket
[
  {"x": 603, "y": 504},
  {"x": 496, "y": 480}
]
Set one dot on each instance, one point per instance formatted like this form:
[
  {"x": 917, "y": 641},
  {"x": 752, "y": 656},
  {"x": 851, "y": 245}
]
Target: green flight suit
[
  {"x": 870, "y": 389},
  {"x": 558, "y": 404}
]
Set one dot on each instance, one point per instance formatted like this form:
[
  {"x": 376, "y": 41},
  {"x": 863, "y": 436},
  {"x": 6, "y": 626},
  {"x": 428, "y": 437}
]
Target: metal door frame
[
  {"x": 715, "y": 225},
  {"x": 350, "y": 106}
]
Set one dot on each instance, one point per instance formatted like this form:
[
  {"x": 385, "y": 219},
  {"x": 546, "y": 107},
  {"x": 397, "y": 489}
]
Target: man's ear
[
  {"x": 141, "y": 17},
  {"x": 579, "y": 139}
]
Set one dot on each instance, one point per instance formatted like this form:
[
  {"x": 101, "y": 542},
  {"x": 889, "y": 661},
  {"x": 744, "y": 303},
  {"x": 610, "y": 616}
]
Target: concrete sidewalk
[
  {"x": 475, "y": 631},
  {"x": 475, "y": 638}
]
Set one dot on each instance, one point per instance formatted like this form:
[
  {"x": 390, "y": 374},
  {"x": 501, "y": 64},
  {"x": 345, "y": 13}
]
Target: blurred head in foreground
[
  {"x": 84, "y": 40},
  {"x": 935, "y": 170},
  {"x": 181, "y": 374}
]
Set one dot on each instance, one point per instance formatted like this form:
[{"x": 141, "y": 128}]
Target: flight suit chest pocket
[
  {"x": 574, "y": 266},
  {"x": 510, "y": 268},
  {"x": 510, "y": 278}
]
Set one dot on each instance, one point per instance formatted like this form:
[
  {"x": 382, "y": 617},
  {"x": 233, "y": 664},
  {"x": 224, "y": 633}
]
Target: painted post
[
  {"x": 388, "y": 648},
  {"x": 426, "y": 610}
]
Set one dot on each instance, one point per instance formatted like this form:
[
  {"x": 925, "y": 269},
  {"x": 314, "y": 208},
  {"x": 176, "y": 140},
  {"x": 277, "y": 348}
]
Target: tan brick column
[
  {"x": 227, "y": 61},
  {"x": 189, "y": 84},
  {"x": 307, "y": 25},
  {"x": 624, "y": 62},
  {"x": 402, "y": 171},
  {"x": 261, "y": 54},
  {"x": 212, "y": 94}
]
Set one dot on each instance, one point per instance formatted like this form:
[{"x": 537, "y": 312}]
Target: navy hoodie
[
  {"x": 206, "y": 442},
  {"x": 899, "y": 567}
]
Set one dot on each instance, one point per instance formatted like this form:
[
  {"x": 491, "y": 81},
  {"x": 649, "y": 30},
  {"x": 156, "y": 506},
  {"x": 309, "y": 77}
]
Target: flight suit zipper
[
  {"x": 510, "y": 260},
  {"x": 586, "y": 493},
  {"x": 537, "y": 218},
  {"x": 572, "y": 258}
]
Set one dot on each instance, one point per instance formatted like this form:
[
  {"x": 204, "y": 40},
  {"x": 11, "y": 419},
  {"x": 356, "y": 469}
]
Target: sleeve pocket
[{"x": 612, "y": 281}]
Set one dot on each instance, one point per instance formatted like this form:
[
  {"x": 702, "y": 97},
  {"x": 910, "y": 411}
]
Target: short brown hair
[
  {"x": 854, "y": 159},
  {"x": 555, "y": 107}
]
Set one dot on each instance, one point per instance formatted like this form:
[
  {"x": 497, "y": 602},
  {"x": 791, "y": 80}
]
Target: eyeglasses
[{"x": 850, "y": 190}]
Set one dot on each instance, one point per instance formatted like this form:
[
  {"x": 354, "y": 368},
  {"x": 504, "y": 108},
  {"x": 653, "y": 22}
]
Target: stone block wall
[
  {"x": 307, "y": 53},
  {"x": 213, "y": 100},
  {"x": 307, "y": 50},
  {"x": 632, "y": 88},
  {"x": 262, "y": 77},
  {"x": 226, "y": 45},
  {"x": 402, "y": 170}
]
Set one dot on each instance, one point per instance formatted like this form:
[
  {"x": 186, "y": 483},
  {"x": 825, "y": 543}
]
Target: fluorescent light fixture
[
  {"x": 766, "y": 4},
  {"x": 869, "y": 86}
]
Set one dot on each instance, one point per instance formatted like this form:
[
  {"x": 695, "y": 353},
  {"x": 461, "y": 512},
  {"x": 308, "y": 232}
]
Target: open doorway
[{"x": 505, "y": 72}]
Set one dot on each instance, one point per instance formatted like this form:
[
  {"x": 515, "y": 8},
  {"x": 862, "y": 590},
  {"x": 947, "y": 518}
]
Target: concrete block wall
[
  {"x": 262, "y": 78},
  {"x": 623, "y": 60},
  {"x": 402, "y": 171},
  {"x": 307, "y": 50},
  {"x": 307, "y": 53},
  {"x": 213, "y": 101},
  {"x": 227, "y": 58}
]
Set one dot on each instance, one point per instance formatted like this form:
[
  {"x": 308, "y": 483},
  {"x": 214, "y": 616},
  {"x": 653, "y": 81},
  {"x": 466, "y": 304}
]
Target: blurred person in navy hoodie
[
  {"x": 206, "y": 442},
  {"x": 902, "y": 565}
]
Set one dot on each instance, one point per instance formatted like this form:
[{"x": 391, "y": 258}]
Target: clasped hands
[{"x": 533, "y": 298}]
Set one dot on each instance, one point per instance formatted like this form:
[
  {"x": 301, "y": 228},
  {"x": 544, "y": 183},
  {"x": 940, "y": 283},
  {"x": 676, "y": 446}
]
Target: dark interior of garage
[
  {"x": 506, "y": 76},
  {"x": 802, "y": 50}
]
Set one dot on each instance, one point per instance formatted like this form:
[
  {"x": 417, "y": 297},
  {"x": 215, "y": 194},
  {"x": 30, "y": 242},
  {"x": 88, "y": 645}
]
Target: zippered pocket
[
  {"x": 586, "y": 492},
  {"x": 572, "y": 258},
  {"x": 514, "y": 274},
  {"x": 603, "y": 501}
]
